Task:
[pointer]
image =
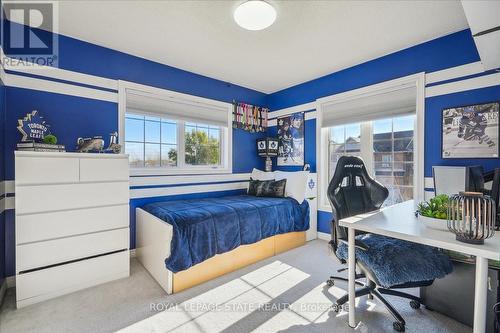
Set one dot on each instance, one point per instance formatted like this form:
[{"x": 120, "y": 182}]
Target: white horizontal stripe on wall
[
  {"x": 307, "y": 116},
  {"x": 25, "y": 82},
  {"x": 428, "y": 182},
  {"x": 454, "y": 72},
  {"x": 7, "y": 187},
  {"x": 464, "y": 85},
  {"x": 176, "y": 190},
  {"x": 194, "y": 179},
  {"x": 292, "y": 109},
  {"x": 7, "y": 203},
  {"x": 62, "y": 74}
]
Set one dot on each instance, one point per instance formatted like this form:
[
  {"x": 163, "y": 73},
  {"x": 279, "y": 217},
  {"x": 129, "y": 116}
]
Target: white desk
[{"x": 399, "y": 221}]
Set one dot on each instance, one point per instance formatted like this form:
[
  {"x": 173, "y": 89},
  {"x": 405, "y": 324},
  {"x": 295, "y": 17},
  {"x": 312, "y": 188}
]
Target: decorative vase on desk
[
  {"x": 471, "y": 216},
  {"x": 434, "y": 223}
]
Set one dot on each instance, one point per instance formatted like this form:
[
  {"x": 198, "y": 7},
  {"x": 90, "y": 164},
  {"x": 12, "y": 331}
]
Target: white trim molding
[
  {"x": 19, "y": 81},
  {"x": 187, "y": 179},
  {"x": 454, "y": 72},
  {"x": 479, "y": 82},
  {"x": 176, "y": 190},
  {"x": 293, "y": 109}
]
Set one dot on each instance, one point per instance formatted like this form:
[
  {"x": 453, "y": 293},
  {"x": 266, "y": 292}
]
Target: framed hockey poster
[
  {"x": 291, "y": 140},
  {"x": 471, "y": 131}
]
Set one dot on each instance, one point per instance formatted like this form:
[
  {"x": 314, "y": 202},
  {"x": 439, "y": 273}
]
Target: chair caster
[
  {"x": 415, "y": 304},
  {"x": 336, "y": 308},
  {"x": 398, "y": 327},
  {"x": 330, "y": 282}
]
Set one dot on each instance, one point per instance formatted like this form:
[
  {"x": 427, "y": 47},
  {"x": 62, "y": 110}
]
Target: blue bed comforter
[{"x": 203, "y": 228}]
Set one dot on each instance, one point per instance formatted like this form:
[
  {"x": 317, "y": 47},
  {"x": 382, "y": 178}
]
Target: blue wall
[{"x": 449, "y": 51}]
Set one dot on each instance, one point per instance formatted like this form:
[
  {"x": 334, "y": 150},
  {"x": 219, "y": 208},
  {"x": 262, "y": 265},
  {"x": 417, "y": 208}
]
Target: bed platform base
[{"x": 153, "y": 246}]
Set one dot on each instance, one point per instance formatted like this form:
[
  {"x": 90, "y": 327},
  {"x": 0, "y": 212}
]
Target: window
[
  {"x": 344, "y": 140},
  {"x": 151, "y": 142},
  {"x": 393, "y": 157},
  {"x": 175, "y": 133},
  {"x": 386, "y": 146}
]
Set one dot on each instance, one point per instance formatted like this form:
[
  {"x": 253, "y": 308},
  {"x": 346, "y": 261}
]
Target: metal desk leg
[
  {"x": 352, "y": 277},
  {"x": 480, "y": 295}
]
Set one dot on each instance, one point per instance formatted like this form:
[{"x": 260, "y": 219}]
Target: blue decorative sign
[
  {"x": 311, "y": 183},
  {"x": 33, "y": 127}
]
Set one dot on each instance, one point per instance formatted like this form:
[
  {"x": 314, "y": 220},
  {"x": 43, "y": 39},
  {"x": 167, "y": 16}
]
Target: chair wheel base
[
  {"x": 415, "y": 304},
  {"x": 398, "y": 327},
  {"x": 336, "y": 308}
]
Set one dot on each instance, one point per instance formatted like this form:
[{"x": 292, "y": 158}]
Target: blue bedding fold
[
  {"x": 395, "y": 261},
  {"x": 203, "y": 228}
]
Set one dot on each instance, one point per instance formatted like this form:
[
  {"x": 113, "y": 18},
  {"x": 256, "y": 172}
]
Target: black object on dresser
[{"x": 453, "y": 295}]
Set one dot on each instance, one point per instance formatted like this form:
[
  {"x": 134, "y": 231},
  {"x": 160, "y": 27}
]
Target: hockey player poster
[
  {"x": 471, "y": 131},
  {"x": 291, "y": 140}
]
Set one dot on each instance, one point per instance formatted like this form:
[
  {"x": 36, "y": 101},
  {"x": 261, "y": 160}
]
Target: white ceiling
[{"x": 309, "y": 38}]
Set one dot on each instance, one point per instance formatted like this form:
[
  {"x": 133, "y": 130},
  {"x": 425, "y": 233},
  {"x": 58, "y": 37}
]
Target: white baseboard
[{"x": 324, "y": 236}]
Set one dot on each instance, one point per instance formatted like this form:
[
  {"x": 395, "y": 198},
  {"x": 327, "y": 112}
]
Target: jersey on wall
[
  {"x": 291, "y": 140},
  {"x": 471, "y": 131}
]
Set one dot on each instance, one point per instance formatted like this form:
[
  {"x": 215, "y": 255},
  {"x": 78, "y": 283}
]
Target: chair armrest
[{"x": 357, "y": 243}]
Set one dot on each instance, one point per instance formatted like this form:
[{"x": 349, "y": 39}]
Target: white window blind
[
  {"x": 177, "y": 109},
  {"x": 382, "y": 104}
]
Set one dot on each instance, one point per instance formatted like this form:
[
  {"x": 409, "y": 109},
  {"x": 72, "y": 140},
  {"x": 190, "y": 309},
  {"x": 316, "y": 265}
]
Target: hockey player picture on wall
[
  {"x": 471, "y": 131},
  {"x": 291, "y": 140}
]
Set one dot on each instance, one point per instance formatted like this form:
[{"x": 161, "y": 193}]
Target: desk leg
[
  {"x": 480, "y": 295},
  {"x": 352, "y": 277}
]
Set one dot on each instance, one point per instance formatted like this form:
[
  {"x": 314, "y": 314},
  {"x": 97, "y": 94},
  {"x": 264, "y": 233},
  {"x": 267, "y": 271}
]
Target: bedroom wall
[
  {"x": 462, "y": 87},
  {"x": 80, "y": 105}
]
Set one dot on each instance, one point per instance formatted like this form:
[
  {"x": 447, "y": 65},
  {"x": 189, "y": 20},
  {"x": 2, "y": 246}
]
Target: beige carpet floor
[{"x": 285, "y": 293}]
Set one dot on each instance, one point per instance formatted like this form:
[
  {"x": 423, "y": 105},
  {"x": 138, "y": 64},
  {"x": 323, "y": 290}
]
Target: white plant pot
[{"x": 433, "y": 223}]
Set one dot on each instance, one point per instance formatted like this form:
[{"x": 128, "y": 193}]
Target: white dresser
[{"x": 72, "y": 222}]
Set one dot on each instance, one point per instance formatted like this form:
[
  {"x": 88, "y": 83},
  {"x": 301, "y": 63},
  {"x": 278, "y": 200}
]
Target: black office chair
[{"x": 352, "y": 191}]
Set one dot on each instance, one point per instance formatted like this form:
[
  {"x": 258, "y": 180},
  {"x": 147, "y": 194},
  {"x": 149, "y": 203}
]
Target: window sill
[{"x": 177, "y": 172}]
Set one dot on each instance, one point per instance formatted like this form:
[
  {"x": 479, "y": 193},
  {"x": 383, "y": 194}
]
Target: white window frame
[
  {"x": 226, "y": 133},
  {"x": 322, "y": 134}
]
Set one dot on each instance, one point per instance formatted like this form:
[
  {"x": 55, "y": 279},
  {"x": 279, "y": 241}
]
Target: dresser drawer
[
  {"x": 46, "y": 170},
  {"x": 103, "y": 169},
  {"x": 39, "y": 199},
  {"x": 48, "y": 283},
  {"x": 41, "y": 254},
  {"x": 43, "y": 226}
]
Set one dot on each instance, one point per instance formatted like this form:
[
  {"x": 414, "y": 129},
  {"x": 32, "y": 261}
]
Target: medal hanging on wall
[{"x": 250, "y": 118}]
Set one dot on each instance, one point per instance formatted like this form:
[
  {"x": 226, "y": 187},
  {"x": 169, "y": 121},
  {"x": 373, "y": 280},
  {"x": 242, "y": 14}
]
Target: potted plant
[{"x": 434, "y": 213}]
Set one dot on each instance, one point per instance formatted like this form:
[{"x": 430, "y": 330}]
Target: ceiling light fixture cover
[{"x": 255, "y": 15}]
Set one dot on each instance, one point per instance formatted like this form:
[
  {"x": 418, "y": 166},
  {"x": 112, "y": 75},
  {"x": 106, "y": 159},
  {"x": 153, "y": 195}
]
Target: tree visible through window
[{"x": 152, "y": 142}]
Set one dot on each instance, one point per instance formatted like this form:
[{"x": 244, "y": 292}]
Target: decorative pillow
[
  {"x": 271, "y": 188},
  {"x": 296, "y": 185},
  {"x": 254, "y": 184},
  {"x": 262, "y": 175}
]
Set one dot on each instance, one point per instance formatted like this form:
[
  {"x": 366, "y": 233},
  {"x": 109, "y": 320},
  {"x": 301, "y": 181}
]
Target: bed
[{"x": 186, "y": 242}]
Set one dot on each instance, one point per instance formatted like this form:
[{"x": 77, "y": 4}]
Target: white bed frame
[{"x": 153, "y": 247}]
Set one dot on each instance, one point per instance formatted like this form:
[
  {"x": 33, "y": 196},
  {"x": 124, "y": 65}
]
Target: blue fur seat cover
[
  {"x": 395, "y": 262},
  {"x": 203, "y": 228}
]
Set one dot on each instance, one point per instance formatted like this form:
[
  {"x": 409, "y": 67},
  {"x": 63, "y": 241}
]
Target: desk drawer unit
[{"x": 72, "y": 222}]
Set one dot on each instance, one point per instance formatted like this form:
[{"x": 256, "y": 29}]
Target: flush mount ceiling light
[{"x": 255, "y": 15}]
